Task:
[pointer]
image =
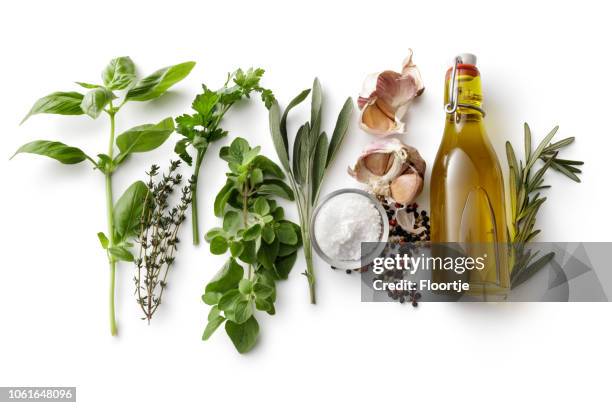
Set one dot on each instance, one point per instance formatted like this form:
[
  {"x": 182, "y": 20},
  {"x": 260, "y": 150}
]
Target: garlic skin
[
  {"x": 391, "y": 169},
  {"x": 385, "y": 97}
]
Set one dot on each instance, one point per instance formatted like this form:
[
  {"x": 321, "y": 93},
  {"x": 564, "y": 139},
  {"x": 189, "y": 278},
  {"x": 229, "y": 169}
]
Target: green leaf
[
  {"x": 249, "y": 254},
  {"x": 283, "y": 266},
  {"x": 301, "y": 154},
  {"x": 121, "y": 253},
  {"x": 252, "y": 232},
  {"x": 159, "y": 82},
  {"x": 211, "y": 298},
  {"x": 274, "y": 187},
  {"x": 250, "y": 155},
  {"x": 318, "y": 165},
  {"x": 212, "y": 326},
  {"x": 283, "y": 124},
  {"x": 218, "y": 245},
  {"x": 205, "y": 103},
  {"x": 103, "y": 240},
  {"x": 245, "y": 286},
  {"x": 229, "y": 299},
  {"x": 227, "y": 278},
  {"x": 243, "y": 310},
  {"x": 129, "y": 209},
  {"x": 231, "y": 222},
  {"x": 243, "y": 335},
  {"x": 213, "y": 232},
  {"x": 267, "y": 253},
  {"x": 87, "y": 85},
  {"x": 94, "y": 101},
  {"x": 119, "y": 73},
  {"x": 527, "y": 142},
  {"x": 59, "y": 103},
  {"x": 262, "y": 290},
  {"x": 268, "y": 234},
  {"x": 144, "y": 138},
  {"x": 264, "y": 305},
  {"x": 277, "y": 138},
  {"x": 222, "y": 197},
  {"x": 340, "y": 130},
  {"x": 268, "y": 167},
  {"x": 315, "y": 108},
  {"x": 261, "y": 206},
  {"x": 257, "y": 176},
  {"x": 286, "y": 233},
  {"x": 55, "y": 150},
  {"x": 538, "y": 151},
  {"x": 236, "y": 248},
  {"x": 181, "y": 149}
]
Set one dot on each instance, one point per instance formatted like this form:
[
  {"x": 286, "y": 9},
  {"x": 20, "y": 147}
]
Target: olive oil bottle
[{"x": 467, "y": 187}]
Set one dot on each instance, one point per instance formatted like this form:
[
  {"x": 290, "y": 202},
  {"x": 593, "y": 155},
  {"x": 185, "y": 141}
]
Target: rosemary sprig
[
  {"x": 526, "y": 199},
  {"x": 158, "y": 238}
]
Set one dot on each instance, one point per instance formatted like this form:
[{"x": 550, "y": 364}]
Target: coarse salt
[{"x": 343, "y": 223}]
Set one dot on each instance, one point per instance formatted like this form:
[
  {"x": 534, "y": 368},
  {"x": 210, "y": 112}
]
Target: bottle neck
[{"x": 468, "y": 93}]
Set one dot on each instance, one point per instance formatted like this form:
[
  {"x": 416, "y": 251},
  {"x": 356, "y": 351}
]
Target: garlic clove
[
  {"x": 406, "y": 220},
  {"x": 385, "y": 97},
  {"x": 405, "y": 188},
  {"x": 377, "y": 163}
]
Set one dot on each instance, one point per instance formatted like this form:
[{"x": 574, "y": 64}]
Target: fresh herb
[
  {"x": 526, "y": 186},
  {"x": 158, "y": 236},
  {"x": 202, "y": 128},
  {"x": 312, "y": 155},
  {"x": 119, "y": 75},
  {"x": 256, "y": 233}
]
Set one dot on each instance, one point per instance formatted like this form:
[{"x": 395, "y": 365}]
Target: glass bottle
[{"x": 467, "y": 187}]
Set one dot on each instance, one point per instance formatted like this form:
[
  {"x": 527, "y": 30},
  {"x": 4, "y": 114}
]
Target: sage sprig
[
  {"x": 202, "y": 128},
  {"x": 119, "y": 75},
  {"x": 312, "y": 154},
  {"x": 256, "y": 234},
  {"x": 526, "y": 187}
]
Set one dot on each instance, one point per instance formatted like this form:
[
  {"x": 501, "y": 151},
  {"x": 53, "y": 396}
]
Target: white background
[{"x": 544, "y": 63}]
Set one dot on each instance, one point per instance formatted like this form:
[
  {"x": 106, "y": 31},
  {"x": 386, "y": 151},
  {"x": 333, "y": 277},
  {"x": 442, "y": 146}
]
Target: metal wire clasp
[{"x": 453, "y": 91}]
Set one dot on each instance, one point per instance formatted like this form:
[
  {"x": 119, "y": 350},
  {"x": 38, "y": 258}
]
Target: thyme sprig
[
  {"x": 158, "y": 238},
  {"x": 526, "y": 199}
]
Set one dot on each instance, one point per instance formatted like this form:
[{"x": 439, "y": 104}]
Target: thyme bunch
[
  {"x": 158, "y": 238},
  {"x": 526, "y": 199}
]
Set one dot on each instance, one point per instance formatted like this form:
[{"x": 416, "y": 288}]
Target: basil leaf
[
  {"x": 94, "y": 101},
  {"x": 156, "y": 84},
  {"x": 227, "y": 278},
  {"x": 277, "y": 138},
  {"x": 55, "y": 150},
  {"x": 87, "y": 85},
  {"x": 119, "y": 73},
  {"x": 212, "y": 326},
  {"x": 60, "y": 103},
  {"x": 144, "y": 138},
  {"x": 129, "y": 209},
  {"x": 121, "y": 253},
  {"x": 318, "y": 165},
  {"x": 340, "y": 130},
  {"x": 244, "y": 336}
]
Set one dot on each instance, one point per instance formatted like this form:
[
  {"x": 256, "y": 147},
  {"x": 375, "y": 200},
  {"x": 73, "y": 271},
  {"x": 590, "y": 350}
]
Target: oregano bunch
[
  {"x": 258, "y": 239},
  {"x": 203, "y": 127},
  {"x": 119, "y": 76}
]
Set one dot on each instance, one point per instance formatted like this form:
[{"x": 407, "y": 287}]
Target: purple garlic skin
[
  {"x": 385, "y": 97},
  {"x": 391, "y": 168}
]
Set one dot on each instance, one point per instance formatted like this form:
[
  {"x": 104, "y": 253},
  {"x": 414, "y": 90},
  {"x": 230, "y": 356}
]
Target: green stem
[
  {"x": 111, "y": 227},
  {"x": 195, "y": 229}
]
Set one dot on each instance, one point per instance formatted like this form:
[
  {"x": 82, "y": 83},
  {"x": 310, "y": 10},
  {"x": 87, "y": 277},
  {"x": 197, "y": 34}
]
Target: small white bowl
[{"x": 356, "y": 263}]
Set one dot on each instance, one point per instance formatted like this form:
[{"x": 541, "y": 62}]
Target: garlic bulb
[
  {"x": 385, "y": 96},
  {"x": 392, "y": 169}
]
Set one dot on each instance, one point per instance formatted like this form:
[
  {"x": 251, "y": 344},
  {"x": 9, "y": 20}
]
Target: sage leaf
[
  {"x": 212, "y": 326},
  {"x": 318, "y": 165},
  {"x": 55, "y": 150},
  {"x": 294, "y": 102},
  {"x": 119, "y": 73},
  {"x": 315, "y": 110},
  {"x": 144, "y": 138},
  {"x": 277, "y": 138},
  {"x": 156, "y": 84},
  {"x": 129, "y": 209},
  {"x": 59, "y": 103},
  {"x": 244, "y": 336},
  {"x": 340, "y": 130},
  {"x": 94, "y": 101}
]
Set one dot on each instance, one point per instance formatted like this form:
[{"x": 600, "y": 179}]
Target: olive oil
[{"x": 467, "y": 187}]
